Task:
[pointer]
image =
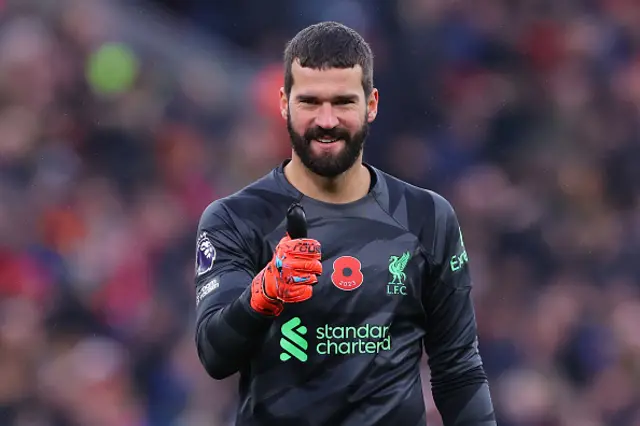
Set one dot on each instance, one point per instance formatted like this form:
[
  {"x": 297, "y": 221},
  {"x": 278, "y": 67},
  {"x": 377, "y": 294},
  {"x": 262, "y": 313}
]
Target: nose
[{"x": 326, "y": 117}]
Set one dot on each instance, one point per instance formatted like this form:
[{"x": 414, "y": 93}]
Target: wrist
[
  {"x": 260, "y": 301},
  {"x": 265, "y": 306},
  {"x": 265, "y": 290}
]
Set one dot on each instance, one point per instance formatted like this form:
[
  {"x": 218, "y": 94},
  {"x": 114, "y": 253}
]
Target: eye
[
  {"x": 343, "y": 102},
  {"x": 308, "y": 100}
]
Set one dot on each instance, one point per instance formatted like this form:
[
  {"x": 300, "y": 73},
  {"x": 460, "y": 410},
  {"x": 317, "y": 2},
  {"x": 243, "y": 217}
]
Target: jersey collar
[{"x": 377, "y": 181}]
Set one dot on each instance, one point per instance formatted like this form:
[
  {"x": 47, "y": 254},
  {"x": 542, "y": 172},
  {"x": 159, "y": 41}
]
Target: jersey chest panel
[
  {"x": 365, "y": 308},
  {"x": 364, "y": 274}
]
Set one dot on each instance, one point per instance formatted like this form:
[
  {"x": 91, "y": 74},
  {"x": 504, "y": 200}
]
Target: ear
[
  {"x": 284, "y": 103},
  {"x": 372, "y": 105}
]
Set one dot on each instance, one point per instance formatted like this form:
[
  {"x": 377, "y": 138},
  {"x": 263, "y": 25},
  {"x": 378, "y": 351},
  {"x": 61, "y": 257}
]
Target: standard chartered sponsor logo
[
  {"x": 296, "y": 345},
  {"x": 364, "y": 339},
  {"x": 333, "y": 340}
]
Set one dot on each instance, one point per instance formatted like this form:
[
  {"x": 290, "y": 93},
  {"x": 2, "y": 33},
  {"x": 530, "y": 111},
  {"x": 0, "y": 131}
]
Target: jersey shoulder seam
[{"x": 421, "y": 246}]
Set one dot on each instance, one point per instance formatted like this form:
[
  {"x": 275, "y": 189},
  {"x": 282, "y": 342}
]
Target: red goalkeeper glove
[{"x": 289, "y": 276}]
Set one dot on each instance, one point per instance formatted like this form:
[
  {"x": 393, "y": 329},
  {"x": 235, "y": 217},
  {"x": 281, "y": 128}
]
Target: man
[{"x": 329, "y": 329}]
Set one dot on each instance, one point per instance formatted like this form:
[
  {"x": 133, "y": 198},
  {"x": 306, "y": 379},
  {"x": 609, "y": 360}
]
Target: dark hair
[{"x": 329, "y": 45}]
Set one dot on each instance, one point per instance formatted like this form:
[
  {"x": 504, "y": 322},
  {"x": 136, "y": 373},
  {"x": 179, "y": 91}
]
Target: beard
[{"x": 327, "y": 164}]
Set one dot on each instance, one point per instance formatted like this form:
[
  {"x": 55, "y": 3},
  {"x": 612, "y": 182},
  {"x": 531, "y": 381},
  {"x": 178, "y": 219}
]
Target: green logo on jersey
[
  {"x": 350, "y": 340},
  {"x": 397, "y": 265},
  {"x": 333, "y": 340},
  {"x": 296, "y": 346},
  {"x": 457, "y": 261}
]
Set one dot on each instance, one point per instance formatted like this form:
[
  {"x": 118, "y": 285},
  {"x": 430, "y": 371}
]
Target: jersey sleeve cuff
[{"x": 242, "y": 317}]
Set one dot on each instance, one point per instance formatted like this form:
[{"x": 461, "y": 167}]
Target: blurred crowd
[{"x": 121, "y": 121}]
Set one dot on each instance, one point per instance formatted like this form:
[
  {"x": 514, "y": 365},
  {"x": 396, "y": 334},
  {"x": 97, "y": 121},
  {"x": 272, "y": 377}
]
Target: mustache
[{"x": 320, "y": 133}]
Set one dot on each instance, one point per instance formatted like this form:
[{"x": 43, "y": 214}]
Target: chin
[{"x": 329, "y": 166}]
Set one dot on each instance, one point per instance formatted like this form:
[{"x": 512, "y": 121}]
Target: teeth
[{"x": 327, "y": 140}]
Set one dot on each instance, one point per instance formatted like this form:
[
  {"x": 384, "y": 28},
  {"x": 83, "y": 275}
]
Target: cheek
[
  {"x": 301, "y": 121},
  {"x": 353, "y": 121}
]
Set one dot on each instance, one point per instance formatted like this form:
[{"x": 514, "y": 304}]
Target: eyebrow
[{"x": 339, "y": 98}]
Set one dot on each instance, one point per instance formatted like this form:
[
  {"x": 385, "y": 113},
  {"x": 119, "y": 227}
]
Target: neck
[{"x": 350, "y": 186}]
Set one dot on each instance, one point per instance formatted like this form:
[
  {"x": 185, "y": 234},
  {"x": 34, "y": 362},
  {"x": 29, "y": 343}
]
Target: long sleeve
[
  {"x": 228, "y": 330},
  {"x": 459, "y": 383}
]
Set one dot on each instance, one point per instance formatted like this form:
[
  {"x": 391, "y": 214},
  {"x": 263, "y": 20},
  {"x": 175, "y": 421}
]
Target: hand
[{"x": 289, "y": 276}]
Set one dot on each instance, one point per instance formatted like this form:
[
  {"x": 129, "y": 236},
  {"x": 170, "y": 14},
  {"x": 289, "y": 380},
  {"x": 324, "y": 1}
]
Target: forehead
[{"x": 326, "y": 82}]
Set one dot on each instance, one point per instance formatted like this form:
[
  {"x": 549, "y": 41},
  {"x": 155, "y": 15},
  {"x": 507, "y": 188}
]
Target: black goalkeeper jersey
[{"x": 395, "y": 280}]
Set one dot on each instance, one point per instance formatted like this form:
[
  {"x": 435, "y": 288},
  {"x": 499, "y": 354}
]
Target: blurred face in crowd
[{"x": 328, "y": 116}]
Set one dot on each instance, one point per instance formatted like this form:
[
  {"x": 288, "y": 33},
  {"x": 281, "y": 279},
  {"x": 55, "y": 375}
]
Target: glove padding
[{"x": 289, "y": 276}]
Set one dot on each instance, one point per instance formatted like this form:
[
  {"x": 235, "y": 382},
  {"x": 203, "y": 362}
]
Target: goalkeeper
[{"x": 325, "y": 308}]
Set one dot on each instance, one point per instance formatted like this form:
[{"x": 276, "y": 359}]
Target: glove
[{"x": 289, "y": 276}]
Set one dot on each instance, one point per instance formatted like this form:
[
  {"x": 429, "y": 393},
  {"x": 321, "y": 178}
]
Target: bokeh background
[{"x": 121, "y": 120}]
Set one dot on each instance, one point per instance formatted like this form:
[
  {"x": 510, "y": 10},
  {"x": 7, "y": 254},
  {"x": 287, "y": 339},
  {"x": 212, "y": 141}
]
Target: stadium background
[{"x": 121, "y": 120}]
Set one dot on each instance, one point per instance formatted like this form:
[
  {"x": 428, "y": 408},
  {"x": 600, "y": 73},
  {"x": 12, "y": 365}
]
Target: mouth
[{"x": 327, "y": 141}]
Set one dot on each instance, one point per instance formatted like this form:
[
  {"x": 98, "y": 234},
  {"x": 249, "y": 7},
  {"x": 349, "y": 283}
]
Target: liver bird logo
[{"x": 397, "y": 264}]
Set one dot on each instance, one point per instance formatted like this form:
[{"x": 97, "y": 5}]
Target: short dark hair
[{"x": 329, "y": 45}]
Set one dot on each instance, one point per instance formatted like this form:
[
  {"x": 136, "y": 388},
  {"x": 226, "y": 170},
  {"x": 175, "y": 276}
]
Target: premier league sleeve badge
[{"x": 205, "y": 254}]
